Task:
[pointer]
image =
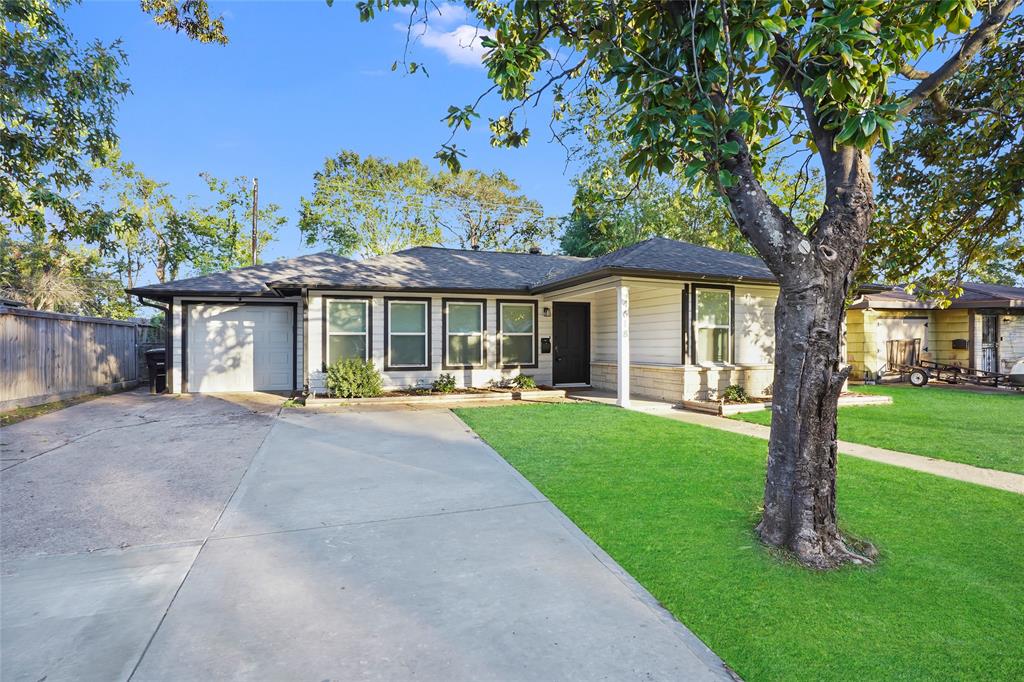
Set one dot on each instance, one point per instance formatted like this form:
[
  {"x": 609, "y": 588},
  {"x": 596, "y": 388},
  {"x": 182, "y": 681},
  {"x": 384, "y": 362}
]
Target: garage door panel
[{"x": 240, "y": 348}]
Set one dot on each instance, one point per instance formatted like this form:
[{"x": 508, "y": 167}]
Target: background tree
[
  {"x": 224, "y": 225},
  {"x": 611, "y": 210},
  {"x": 148, "y": 228},
  {"x": 369, "y": 205},
  {"x": 709, "y": 87},
  {"x": 951, "y": 188},
  {"x": 478, "y": 210},
  {"x": 46, "y": 274}
]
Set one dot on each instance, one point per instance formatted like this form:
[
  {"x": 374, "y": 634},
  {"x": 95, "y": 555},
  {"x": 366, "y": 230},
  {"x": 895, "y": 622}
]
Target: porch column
[{"x": 622, "y": 344}]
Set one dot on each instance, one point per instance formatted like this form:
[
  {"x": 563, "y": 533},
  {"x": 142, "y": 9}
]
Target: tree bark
[{"x": 814, "y": 271}]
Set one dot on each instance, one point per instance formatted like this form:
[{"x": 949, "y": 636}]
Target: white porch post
[{"x": 622, "y": 344}]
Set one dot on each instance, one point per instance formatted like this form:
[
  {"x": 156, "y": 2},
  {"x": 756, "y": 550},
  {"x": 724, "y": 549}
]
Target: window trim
[
  {"x": 324, "y": 334},
  {"x": 429, "y": 306},
  {"x": 482, "y": 302},
  {"x": 501, "y": 333},
  {"x": 694, "y": 289}
]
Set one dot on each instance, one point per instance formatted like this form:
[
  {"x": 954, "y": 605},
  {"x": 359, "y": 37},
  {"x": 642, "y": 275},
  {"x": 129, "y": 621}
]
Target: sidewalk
[{"x": 991, "y": 478}]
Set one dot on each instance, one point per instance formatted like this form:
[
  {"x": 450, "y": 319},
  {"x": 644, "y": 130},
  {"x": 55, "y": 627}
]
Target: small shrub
[
  {"x": 353, "y": 378},
  {"x": 523, "y": 382},
  {"x": 444, "y": 384},
  {"x": 735, "y": 394}
]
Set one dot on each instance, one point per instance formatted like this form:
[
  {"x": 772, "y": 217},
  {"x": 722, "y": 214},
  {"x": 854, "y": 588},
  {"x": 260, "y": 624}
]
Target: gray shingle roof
[
  {"x": 427, "y": 268},
  {"x": 430, "y": 268},
  {"x": 991, "y": 294},
  {"x": 976, "y": 295},
  {"x": 248, "y": 281},
  {"x": 659, "y": 255}
]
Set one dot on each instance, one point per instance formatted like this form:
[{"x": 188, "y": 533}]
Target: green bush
[
  {"x": 444, "y": 383},
  {"x": 524, "y": 382},
  {"x": 735, "y": 394},
  {"x": 353, "y": 378}
]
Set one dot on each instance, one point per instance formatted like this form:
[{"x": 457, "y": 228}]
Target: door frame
[
  {"x": 585, "y": 305},
  {"x": 185, "y": 313},
  {"x": 994, "y": 343}
]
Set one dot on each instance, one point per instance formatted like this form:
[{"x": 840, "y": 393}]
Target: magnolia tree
[{"x": 708, "y": 87}]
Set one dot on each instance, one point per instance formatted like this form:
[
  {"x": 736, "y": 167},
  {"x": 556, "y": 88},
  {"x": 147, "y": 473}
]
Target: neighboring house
[
  {"x": 661, "y": 318},
  {"x": 983, "y": 328}
]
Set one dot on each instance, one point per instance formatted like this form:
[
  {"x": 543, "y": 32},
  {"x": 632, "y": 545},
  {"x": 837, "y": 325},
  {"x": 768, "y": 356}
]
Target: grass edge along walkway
[
  {"x": 675, "y": 504},
  {"x": 977, "y": 428}
]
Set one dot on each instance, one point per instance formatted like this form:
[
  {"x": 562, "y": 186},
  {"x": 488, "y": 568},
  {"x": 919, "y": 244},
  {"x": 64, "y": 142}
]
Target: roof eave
[{"x": 644, "y": 273}]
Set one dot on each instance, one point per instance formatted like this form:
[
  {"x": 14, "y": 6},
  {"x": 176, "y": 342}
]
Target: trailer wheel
[{"x": 918, "y": 377}]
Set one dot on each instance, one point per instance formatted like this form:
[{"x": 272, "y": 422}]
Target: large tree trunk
[
  {"x": 800, "y": 486},
  {"x": 815, "y": 274}
]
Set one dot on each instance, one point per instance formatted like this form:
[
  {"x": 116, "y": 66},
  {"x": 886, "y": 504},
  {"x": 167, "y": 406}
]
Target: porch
[{"x": 663, "y": 339}]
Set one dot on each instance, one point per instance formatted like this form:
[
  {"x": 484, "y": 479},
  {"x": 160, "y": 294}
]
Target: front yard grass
[
  {"x": 981, "y": 429},
  {"x": 675, "y": 505}
]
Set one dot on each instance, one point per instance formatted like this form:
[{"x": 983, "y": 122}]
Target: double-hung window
[
  {"x": 464, "y": 334},
  {"x": 712, "y": 325},
  {"x": 517, "y": 334},
  {"x": 408, "y": 334},
  {"x": 346, "y": 329}
]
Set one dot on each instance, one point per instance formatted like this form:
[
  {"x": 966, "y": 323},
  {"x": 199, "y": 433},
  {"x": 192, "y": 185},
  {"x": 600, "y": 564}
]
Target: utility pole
[{"x": 255, "y": 207}]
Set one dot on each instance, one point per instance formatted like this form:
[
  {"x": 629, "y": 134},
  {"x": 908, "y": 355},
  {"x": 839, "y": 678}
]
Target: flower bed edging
[{"x": 312, "y": 401}]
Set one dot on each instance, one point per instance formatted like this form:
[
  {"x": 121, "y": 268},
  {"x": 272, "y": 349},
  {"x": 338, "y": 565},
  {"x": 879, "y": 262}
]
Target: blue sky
[{"x": 298, "y": 82}]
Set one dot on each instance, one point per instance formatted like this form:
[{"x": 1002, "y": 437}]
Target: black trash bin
[{"x": 156, "y": 361}]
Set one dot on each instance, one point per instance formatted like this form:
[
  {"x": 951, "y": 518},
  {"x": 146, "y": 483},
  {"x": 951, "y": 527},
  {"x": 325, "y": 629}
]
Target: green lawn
[
  {"x": 983, "y": 429},
  {"x": 675, "y": 504}
]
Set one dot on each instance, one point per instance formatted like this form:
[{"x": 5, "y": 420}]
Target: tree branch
[{"x": 972, "y": 44}]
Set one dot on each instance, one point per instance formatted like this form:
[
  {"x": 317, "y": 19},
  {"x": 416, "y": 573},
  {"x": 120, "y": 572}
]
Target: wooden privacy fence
[{"x": 52, "y": 356}]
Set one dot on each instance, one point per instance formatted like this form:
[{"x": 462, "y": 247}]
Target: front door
[
  {"x": 989, "y": 343},
  {"x": 571, "y": 343}
]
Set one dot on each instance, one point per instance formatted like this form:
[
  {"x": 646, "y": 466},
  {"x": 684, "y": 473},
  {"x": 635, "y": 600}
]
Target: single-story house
[
  {"x": 983, "y": 328},
  {"x": 662, "y": 318}
]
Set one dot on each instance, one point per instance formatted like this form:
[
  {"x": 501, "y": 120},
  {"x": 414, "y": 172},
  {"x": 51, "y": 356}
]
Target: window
[
  {"x": 346, "y": 329},
  {"x": 517, "y": 334},
  {"x": 464, "y": 333},
  {"x": 712, "y": 325},
  {"x": 408, "y": 341}
]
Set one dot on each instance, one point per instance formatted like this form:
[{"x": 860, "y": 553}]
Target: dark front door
[{"x": 571, "y": 343}]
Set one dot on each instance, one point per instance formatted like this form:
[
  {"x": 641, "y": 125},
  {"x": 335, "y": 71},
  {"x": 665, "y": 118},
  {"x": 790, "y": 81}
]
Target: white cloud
[
  {"x": 460, "y": 45},
  {"x": 446, "y": 31}
]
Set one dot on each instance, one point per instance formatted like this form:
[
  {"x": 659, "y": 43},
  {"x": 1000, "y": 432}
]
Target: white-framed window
[
  {"x": 464, "y": 325},
  {"x": 408, "y": 334},
  {"x": 712, "y": 325},
  {"x": 346, "y": 329},
  {"x": 517, "y": 334}
]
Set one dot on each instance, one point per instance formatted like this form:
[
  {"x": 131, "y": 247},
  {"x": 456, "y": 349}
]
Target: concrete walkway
[
  {"x": 365, "y": 544},
  {"x": 991, "y": 478}
]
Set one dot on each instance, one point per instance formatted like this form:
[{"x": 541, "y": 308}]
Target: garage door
[
  {"x": 240, "y": 348},
  {"x": 900, "y": 329}
]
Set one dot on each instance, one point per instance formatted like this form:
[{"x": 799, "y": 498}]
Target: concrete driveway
[{"x": 203, "y": 537}]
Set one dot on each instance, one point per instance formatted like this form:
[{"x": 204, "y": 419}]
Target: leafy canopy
[
  {"x": 951, "y": 188},
  {"x": 611, "y": 211},
  {"x": 58, "y": 102},
  {"x": 689, "y": 73}
]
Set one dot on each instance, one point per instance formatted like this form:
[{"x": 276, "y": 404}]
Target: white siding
[
  {"x": 754, "y": 319},
  {"x": 394, "y": 379},
  {"x": 656, "y": 324}
]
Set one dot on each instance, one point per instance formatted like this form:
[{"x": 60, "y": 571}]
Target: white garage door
[
  {"x": 240, "y": 348},
  {"x": 900, "y": 329}
]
